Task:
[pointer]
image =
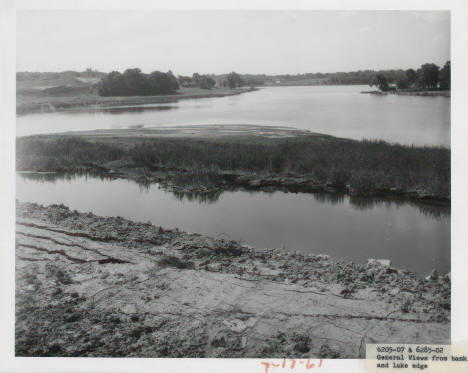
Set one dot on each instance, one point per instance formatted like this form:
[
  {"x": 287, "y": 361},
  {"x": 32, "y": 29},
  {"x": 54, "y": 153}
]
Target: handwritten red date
[{"x": 291, "y": 364}]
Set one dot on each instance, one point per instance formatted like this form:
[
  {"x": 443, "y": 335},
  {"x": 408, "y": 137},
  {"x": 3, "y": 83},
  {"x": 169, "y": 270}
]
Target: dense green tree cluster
[
  {"x": 428, "y": 76},
  {"x": 135, "y": 83}
]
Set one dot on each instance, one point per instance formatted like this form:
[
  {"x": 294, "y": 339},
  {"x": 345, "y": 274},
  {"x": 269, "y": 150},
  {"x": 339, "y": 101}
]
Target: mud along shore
[{"x": 106, "y": 286}]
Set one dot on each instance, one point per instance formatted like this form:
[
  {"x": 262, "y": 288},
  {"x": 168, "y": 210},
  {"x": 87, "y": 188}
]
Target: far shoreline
[
  {"x": 445, "y": 93},
  {"x": 32, "y": 104}
]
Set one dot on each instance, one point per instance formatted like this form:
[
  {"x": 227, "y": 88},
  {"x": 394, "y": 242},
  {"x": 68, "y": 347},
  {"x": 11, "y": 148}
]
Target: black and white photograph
[{"x": 232, "y": 183}]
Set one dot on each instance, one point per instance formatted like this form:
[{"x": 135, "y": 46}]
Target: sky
[{"x": 270, "y": 42}]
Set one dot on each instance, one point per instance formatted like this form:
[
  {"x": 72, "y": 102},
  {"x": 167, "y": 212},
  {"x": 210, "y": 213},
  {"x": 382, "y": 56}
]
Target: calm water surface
[
  {"x": 336, "y": 110},
  {"x": 343, "y": 227},
  {"x": 349, "y": 228}
]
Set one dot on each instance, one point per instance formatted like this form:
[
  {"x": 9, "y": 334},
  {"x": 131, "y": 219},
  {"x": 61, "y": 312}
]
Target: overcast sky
[{"x": 271, "y": 42}]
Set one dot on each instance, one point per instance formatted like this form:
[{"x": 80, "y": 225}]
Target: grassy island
[{"x": 255, "y": 157}]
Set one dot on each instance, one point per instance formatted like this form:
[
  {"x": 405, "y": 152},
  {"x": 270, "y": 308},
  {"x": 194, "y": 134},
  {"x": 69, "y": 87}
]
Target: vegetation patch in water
[{"x": 360, "y": 167}]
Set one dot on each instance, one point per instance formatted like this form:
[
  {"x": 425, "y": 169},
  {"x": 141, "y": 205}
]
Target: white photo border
[{"x": 459, "y": 146}]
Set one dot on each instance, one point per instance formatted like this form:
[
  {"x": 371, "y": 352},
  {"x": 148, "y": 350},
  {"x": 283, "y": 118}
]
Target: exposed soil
[{"x": 106, "y": 286}]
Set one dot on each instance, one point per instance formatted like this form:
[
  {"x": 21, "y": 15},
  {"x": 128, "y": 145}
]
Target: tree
[
  {"x": 203, "y": 81},
  {"x": 185, "y": 81},
  {"x": 173, "y": 82},
  {"x": 428, "y": 75},
  {"x": 379, "y": 81},
  {"x": 196, "y": 79},
  {"x": 135, "y": 83},
  {"x": 402, "y": 81},
  {"x": 162, "y": 83},
  {"x": 411, "y": 75},
  {"x": 206, "y": 82},
  {"x": 444, "y": 76},
  {"x": 234, "y": 80},
  {"x": 113, "y": 84}
]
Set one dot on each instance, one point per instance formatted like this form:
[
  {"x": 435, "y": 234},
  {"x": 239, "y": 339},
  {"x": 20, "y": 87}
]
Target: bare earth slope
[{"x": 94, "y": 286}]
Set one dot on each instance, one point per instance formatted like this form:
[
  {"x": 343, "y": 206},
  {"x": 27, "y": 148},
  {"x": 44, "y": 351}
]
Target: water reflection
[
  {"x": 368, "y": 203},
  {"x": 54, "y": 177},
  {"x": 414, "y": 237},
  {"x": 135, "y": 109},
  {"x": 182, "y": 191},
  {"x": 403, "y": 119},
  {"x": 200, "y": 197},
  {"x": 333, "y": 198}
]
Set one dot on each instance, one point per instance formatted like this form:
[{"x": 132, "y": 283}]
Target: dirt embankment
[{"x": 95, "y": 286}]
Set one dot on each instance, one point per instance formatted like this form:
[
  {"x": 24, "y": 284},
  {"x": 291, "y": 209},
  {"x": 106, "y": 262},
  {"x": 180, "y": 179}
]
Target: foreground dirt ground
[{"x": 97, "y": 286}]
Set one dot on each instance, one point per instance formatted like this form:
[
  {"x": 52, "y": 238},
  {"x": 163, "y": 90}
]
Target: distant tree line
[
  {"x": 88, "y": 73},
  {"x": 231, "y": 80},
  {"x": 135, "y": 83},
  {"x": 428, "y": 76},
  {"x": 197, "y": 80}
]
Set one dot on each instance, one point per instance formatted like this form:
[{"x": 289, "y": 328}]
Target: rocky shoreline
[{"x": 106, "y": 286}]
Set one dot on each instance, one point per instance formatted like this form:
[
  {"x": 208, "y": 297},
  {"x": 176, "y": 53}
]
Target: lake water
[
  {"x": 413, "y": 237},
  {"x": 336, "y": 110}
]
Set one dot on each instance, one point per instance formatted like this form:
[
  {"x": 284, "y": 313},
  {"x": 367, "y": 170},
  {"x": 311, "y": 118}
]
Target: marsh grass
[
  {"x": 62, "y": 154},
  {"x": 362, "y": 165}
]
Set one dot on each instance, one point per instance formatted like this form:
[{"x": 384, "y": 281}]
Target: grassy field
[{"x": 363, "y": 166}]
